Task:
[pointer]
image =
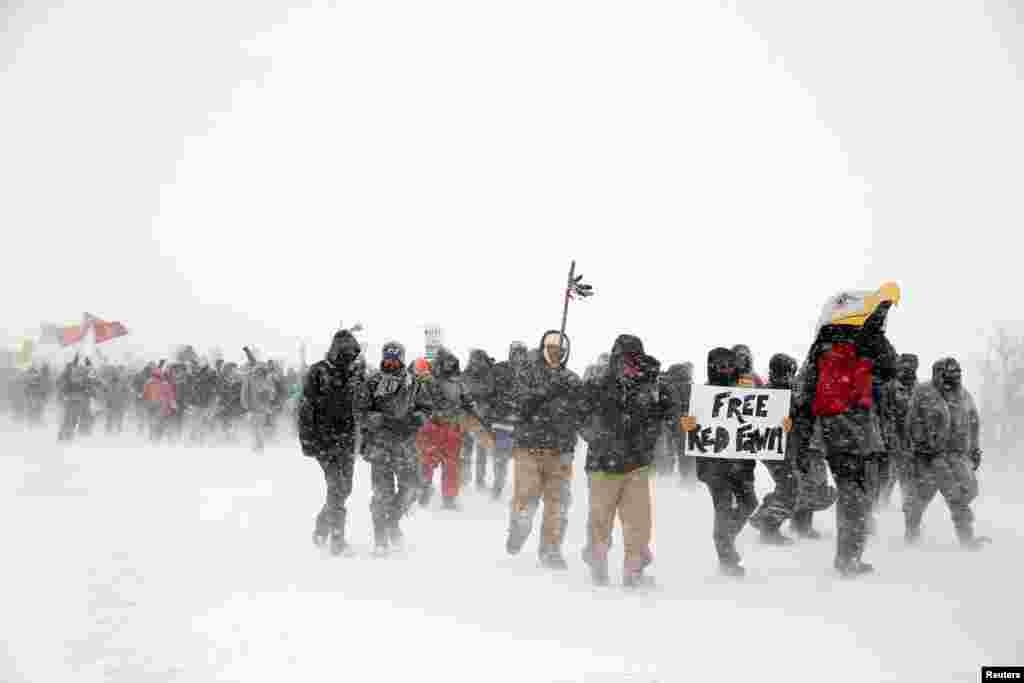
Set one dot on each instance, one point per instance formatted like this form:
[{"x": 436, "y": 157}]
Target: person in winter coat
[
  {"x": 679, "y": 380},
  {"x": 745, "y": 367},
  {"x": 204, "y": 394},
  {"x": 896, "y": 396},
  {"x": 453, "y": 412},
  {"x": 943, "y": 424},
  {"x": 479, "y": 381},
  {"x": 778, "y": 505},
  {"x": 392, "y": 409},
  {"x": 258, "y": 395},
  {"x": 844, "y": 362},
  {"x": 116, "y": 394},
  {"x": 141, "y": 405},
  {"x": 229, "y": 408},
  {"x": 327, "y": 433},
  {"x": 76, "y": 390},
  {"x": 35, "y": 393},
  {"x": 814, "y": 492},
  {"x": 730, "y": 481},
  {"x": 622, "y": 415},
  {"x": 545, "y": 438},
  {"x": 161, "y": 398},
  {"x": 507, "y": 379}
]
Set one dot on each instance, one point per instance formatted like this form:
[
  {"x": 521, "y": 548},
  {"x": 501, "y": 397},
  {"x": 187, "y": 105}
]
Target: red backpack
[{"x": 844, "y": 381}]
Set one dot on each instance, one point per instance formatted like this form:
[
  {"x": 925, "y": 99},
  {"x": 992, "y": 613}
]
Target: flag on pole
[
  {"x": 575, "y": 287},
  {"x": 578, "y": 288},
  {"x": 105, "y": 330},
  {"x": 74, "y": 333}
]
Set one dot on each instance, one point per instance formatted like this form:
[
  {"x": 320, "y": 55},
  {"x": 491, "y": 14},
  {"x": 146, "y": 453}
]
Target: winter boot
[
  {"x": 852, "y": 568},
  {"x": 426, "y": 494},
  {"x": 729, "y": 564},
  {"x": 551, "y": 558},
  {"x": 322, "y": 529},
  {"x": 597, "y": 559},
  {"x": 731, "y": 568},
  {"x": 395, "y": 535},
  {"x": 802, "y": 525},
  {"x": 516, "y": 540},
  {"x": 380, "y": 539},
  {"x": 338, "y": 545},
  {"x": 633, "y": 572},
  {"x": 774, "y": 537},
  {"x": 634, "y": 580},
  {"x": 968, "y": 541},
  {"x": 976, "y": 543}
]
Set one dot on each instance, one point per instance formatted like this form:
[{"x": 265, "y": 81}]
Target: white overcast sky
[{"x": 223, "y": 173}]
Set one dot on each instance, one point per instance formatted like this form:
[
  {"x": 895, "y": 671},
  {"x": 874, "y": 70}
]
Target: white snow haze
[{"x": 239, "y": 173}]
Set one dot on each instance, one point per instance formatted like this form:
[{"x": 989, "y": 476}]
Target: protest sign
[{"x": 738, "y": 423}]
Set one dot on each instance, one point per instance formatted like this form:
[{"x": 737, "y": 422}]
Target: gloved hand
[
  {"x": 975, "y": 457},
  {"x": 487, "y": 439}
]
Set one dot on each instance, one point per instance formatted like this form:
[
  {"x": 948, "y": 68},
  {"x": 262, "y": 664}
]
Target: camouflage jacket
[
  {"x": 942, "y": 422},
  {"x": 548, "y": 407},
  {"x": 392, "y": 407},
  {"x": 893, "y": 408}
]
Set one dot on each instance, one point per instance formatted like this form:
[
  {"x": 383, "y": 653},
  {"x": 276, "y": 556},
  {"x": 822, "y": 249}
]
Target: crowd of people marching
[
  {"x": 857, "y": 411},
  {"x": 183, "y": 400}
]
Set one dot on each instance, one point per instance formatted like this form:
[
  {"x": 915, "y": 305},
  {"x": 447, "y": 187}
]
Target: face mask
[
  {"x": 631, "y": 366},
  {"x": 951, "y": 376},
  {"x": 784, "y": 381},
  {"x": 723, "y": 372}
]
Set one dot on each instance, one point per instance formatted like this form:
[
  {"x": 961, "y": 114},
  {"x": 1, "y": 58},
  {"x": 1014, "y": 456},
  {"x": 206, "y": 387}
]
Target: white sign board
[
  {"x": 741, "y": 423},
  {"x": 433, "y": 338}
]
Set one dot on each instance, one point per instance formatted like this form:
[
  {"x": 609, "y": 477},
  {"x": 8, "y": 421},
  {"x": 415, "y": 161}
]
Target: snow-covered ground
[{"x": 123, "y": 562}]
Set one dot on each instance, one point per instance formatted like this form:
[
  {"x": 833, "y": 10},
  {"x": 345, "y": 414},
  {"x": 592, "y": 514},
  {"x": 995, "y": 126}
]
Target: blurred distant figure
[
  {"x": 258, "y": 395},
  {"x": 75, "y": 391}
]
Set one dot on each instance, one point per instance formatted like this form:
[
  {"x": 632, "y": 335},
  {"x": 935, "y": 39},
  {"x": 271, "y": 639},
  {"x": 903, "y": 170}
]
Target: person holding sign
[
  {"x": 623, "y": 411},
  {"x": 726, "y": 457}
]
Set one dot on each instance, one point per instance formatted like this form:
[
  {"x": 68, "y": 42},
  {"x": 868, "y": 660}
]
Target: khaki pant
[
  {"x": 628, "y": 495},
  {"x": 540, "y": 474}
]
